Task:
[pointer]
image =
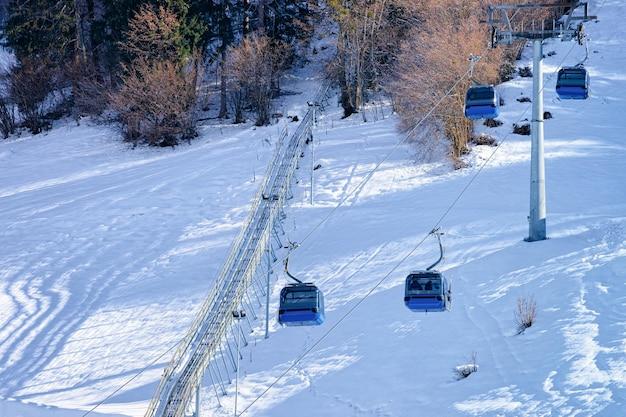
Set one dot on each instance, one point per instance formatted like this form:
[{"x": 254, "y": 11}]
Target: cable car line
[
  {"x": 307, "y": 236},
  {"x": 398, "y": 264},
  {"x": 299, "y": 359}
]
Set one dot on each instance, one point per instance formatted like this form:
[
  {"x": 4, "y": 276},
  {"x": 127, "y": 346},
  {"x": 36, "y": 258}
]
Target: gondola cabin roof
[
  {"x": 424, "y": 273},
  {"x": 301, "y": 285},
  {"x": 481, "y": 92}
]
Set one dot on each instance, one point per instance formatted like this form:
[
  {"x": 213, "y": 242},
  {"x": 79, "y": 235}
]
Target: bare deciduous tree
[
  {"x": 156, "y": 100},
  {"x": 367, "y": 39},
  {"x": 155, "y": 103},
  {"x": 30, "y": 84},
  {"x": 434, "y": 57},
  {"x": 89, "y": 89},
  {"x": 253, "y": 68}
]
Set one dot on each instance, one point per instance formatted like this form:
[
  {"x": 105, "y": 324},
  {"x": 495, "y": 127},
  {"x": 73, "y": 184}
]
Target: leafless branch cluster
[
  {"x": 253, "y": 69},
  {"x": 30, "y": 84},
  {"x": 7, "y": 108},
  {"x": 154, "y": 34},
  {"x": 525, "y": 313},
  {"x": 156, "y": 101}
]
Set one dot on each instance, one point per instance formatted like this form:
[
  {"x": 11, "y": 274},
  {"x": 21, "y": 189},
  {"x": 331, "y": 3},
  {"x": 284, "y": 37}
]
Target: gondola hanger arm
[
  {"x": 288, "y": 273},
  {"x": 437, "y": 232},
  {"x": 473, "y": 60}
]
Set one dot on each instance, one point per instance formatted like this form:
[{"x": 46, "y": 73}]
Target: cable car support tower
[{"x": 504, "y": 30}]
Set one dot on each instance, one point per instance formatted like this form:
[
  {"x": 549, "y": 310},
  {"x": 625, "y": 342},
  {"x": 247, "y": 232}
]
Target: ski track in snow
[{"x": 106, "y": 253}]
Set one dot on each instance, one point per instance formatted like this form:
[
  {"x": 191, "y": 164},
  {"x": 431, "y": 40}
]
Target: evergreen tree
[{"x": 39, "y": 29}]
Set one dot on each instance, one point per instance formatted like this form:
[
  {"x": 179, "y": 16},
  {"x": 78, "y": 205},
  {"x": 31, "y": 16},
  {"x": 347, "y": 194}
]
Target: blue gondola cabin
[
  {"x": 427, "y": 291},
  {"x": 482, "y": 102},
  {"x": 301, "y": 305},
  {"x": 573, "y": 83}
]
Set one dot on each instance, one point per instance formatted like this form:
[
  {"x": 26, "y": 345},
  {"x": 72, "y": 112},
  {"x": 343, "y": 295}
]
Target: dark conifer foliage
[
  {"x": 40, "y": 29},
  {"x": 88, "y": 46}
]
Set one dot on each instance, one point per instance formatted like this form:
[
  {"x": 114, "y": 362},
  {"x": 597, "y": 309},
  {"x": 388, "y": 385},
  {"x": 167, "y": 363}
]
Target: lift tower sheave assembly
[{"x": 505, "y": 30}]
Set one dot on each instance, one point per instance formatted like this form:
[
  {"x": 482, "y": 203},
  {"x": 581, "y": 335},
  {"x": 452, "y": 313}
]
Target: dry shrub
[
  {"x": 30, "y": 84},
  {"x": 434, "y": 58},
  {"x": 252, "y": 70},
  {"x": 155, "y": 103},
  {"x": 465, "y": 370},
  {"x": 484, "y": 139},
  {"x": 7, "y": 108},
  {"x": 522, "y": 129},
  {"x": 90, "y": 90},
  {"x": 525, "y": 313}
]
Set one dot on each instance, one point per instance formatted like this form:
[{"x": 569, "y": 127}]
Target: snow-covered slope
[
  {"x": 383, "y": 360},
  {"x": 106, "y": 253}
]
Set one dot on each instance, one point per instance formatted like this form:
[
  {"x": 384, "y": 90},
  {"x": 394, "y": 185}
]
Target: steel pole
[
  {"x": 237, "y": 371},
  {"x": 537, "y": 217},
  {"x": 197, "y": 413},
  {"x": 267, "y": 295},
  {"x": 312, "y": 153}
]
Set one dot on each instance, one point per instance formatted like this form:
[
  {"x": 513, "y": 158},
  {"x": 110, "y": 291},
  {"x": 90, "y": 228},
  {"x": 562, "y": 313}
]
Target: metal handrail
[{"x": 210, "y": 326}]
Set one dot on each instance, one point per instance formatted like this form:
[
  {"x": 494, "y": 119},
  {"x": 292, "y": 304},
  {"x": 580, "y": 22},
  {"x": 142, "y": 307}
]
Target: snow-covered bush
[
  {"x": 521, "y": 129},
  {"x": 484, "y": 139},
  {"x": 465, "y": 370},
  {"x": 525, "y": 313},
  {"x": 492, "y": 123}
]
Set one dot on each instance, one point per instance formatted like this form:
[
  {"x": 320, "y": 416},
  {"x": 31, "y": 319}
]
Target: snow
[{"x": 106, "y": 253}]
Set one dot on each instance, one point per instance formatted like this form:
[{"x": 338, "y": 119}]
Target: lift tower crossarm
[{"x": 504, "y": 31}]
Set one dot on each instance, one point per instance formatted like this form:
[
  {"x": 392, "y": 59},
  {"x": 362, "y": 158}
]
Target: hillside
[{"x": 107, "y": 253}]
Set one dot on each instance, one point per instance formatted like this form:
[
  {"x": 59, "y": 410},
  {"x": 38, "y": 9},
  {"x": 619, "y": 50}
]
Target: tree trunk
[
  {"x": 246, "y": 18},
  {"x": 261, "y": 17},
  {"x": 223, "y": 96},
  {"x": 83, "y": 16}
]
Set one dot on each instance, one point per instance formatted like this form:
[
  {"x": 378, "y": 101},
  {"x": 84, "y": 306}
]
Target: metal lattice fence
[{"x": 209, "y": 331}]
